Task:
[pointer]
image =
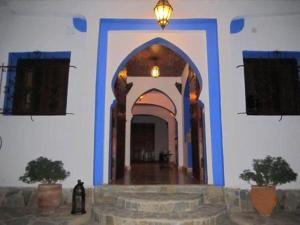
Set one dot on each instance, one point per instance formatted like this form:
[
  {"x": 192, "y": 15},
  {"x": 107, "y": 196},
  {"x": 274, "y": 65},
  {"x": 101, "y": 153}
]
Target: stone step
[
  {"x": 205, "y": 214},
  {"x": 159, "y": 202},
  {"x": 109, "y": 193}
]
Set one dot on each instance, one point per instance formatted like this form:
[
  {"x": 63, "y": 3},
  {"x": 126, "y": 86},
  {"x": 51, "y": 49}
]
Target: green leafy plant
[
  {"x": 270, "y": 171},
  {"x": 45, "y": 171}
]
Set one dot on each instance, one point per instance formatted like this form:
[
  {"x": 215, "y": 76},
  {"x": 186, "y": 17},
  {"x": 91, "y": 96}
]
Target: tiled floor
[{"x": 155, "y": 173}]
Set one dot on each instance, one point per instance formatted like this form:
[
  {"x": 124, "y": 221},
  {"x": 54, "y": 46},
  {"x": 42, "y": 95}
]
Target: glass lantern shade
[
  {"x": 155, "y": 72},
  {"x": 163, "y": 11}
]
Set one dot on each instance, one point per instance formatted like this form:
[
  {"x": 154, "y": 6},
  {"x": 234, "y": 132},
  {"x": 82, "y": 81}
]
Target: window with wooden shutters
[
  {"x": 41, "y": 87},
  {"x": 272, "y": 86}
]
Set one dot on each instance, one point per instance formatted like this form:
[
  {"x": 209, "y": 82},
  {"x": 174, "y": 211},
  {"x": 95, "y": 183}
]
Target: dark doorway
[{"x": 142, "y": 142}]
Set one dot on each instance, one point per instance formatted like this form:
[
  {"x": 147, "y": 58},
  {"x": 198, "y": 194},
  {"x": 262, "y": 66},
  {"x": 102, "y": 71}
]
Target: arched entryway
[
  {"x": 209, "y": 26},
  {"x": 135, "y": 92}
]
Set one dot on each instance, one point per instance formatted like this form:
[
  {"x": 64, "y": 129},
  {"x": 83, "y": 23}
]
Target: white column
[
  {"x": 180, "y": 141},
  {"x": 127, "y": 140},
  {"x": 171, "y": 135}
]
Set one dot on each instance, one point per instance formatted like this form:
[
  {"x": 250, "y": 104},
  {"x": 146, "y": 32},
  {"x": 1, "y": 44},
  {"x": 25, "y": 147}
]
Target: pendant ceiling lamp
[
  {"x": 163, "y": 11},
  {"x": 155, "y": 72}
]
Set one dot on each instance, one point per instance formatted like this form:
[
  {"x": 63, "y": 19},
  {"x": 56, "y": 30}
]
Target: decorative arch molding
[
  {"x": 161, "y": 92},
  {"x": 208, "y": 25}
]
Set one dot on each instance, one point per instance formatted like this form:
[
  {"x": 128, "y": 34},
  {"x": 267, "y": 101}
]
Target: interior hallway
[{"x": 155, "y": 173}]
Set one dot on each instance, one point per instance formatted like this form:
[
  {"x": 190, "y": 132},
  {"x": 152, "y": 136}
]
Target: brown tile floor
[{"x": 155, "y": 173}]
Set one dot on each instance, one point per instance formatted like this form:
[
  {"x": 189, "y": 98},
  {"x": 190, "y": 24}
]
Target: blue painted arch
[{"x": 211, "y": 31}]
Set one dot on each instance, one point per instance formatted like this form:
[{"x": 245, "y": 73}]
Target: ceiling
[{"x": 170, "y": 64}]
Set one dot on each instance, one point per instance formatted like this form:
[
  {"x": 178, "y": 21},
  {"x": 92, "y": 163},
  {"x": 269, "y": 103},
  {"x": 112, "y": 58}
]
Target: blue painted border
[
  {"x": 80, "y": 24},
  {"x": 237, "y": 25},
  {"x": 13, "y": 58},
  {"x": 208, "y": 25},
  {"x": 187, "y": 122},
  {"x": 272, "y": 55}
]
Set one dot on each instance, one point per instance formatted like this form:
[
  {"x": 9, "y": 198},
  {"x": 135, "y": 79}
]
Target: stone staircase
[{"x": 159, "y": 205}]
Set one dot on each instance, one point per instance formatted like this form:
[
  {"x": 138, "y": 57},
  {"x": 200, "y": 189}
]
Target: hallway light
[
  {"x": 123, "y": 74},
  {"x": 155, "y": 72},
  {"x": 163, "y": 11}
]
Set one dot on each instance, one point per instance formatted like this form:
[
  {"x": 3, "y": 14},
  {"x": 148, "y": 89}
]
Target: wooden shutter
[
  {"x": 41, "y": 87},
  {"x": 271, "y": 86}
]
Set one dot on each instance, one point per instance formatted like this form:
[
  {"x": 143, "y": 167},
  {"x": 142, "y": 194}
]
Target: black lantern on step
[{"x": 78, "y": 200}]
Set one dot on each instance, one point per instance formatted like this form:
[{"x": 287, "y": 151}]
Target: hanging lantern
[
  {"x": 123, "y": 74},
  {"x": 78, "y": 199},
  {"x": 163, "y": 11},
  {"x": 155, "y": 72}
]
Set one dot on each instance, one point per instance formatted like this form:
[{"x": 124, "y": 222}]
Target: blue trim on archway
[
  {"x": 187, "y": 123},
  {"x": 208, "y": 25}
]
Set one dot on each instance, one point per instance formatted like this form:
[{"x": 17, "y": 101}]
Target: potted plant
[
  {"x": 268, "y": 173},
  {"x": 47, "y": 172}
]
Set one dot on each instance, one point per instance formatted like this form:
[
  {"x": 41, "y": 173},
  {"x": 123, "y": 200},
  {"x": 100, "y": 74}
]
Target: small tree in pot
[
  {"x": 47, "y": 172},
  {"x": 268, "y": 173}
]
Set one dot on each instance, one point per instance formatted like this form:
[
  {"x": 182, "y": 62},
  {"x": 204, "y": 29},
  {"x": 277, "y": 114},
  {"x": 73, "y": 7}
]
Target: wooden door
[
  {"x": 197, "y": 142},
  {"x": 142, "y": 141},
  {"x": 120, "y": 150},
  {"x": 118, "y": 143},
  {"x": 113, "y": 153}
]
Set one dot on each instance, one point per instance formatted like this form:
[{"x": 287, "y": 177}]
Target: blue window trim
[
  {"x": 272, "y": 55},
  {"x": 208, "y": 25},
  {"x": 13, "y": 58}
]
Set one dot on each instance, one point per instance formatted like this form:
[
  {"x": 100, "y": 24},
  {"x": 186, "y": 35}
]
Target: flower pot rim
[
  {"x": 263, "y": 186},
  {"x": 51, "y": 184}
]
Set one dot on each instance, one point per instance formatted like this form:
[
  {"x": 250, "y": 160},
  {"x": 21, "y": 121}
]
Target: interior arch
[{"x": 165, "y": 100}]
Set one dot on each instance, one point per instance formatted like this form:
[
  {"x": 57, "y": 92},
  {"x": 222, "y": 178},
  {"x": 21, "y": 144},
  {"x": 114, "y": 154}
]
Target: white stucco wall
[
  {"x": 67, "y": 138},
  {"x": 47, "y": 26}
]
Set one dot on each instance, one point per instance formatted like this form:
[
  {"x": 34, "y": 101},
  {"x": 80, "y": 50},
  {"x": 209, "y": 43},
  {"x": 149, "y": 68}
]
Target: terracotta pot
[
  {"x": 49, "y": 197},
  {"x": 263, "y": 199}
]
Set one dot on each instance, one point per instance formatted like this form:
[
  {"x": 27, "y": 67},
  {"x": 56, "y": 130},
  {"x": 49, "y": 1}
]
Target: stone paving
[
  {"x": 282, "y": 218},
  {"x": 151, "y": 205},
  {"x": 22, "y": 216},
  {"x": 25, "y": 216}
]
